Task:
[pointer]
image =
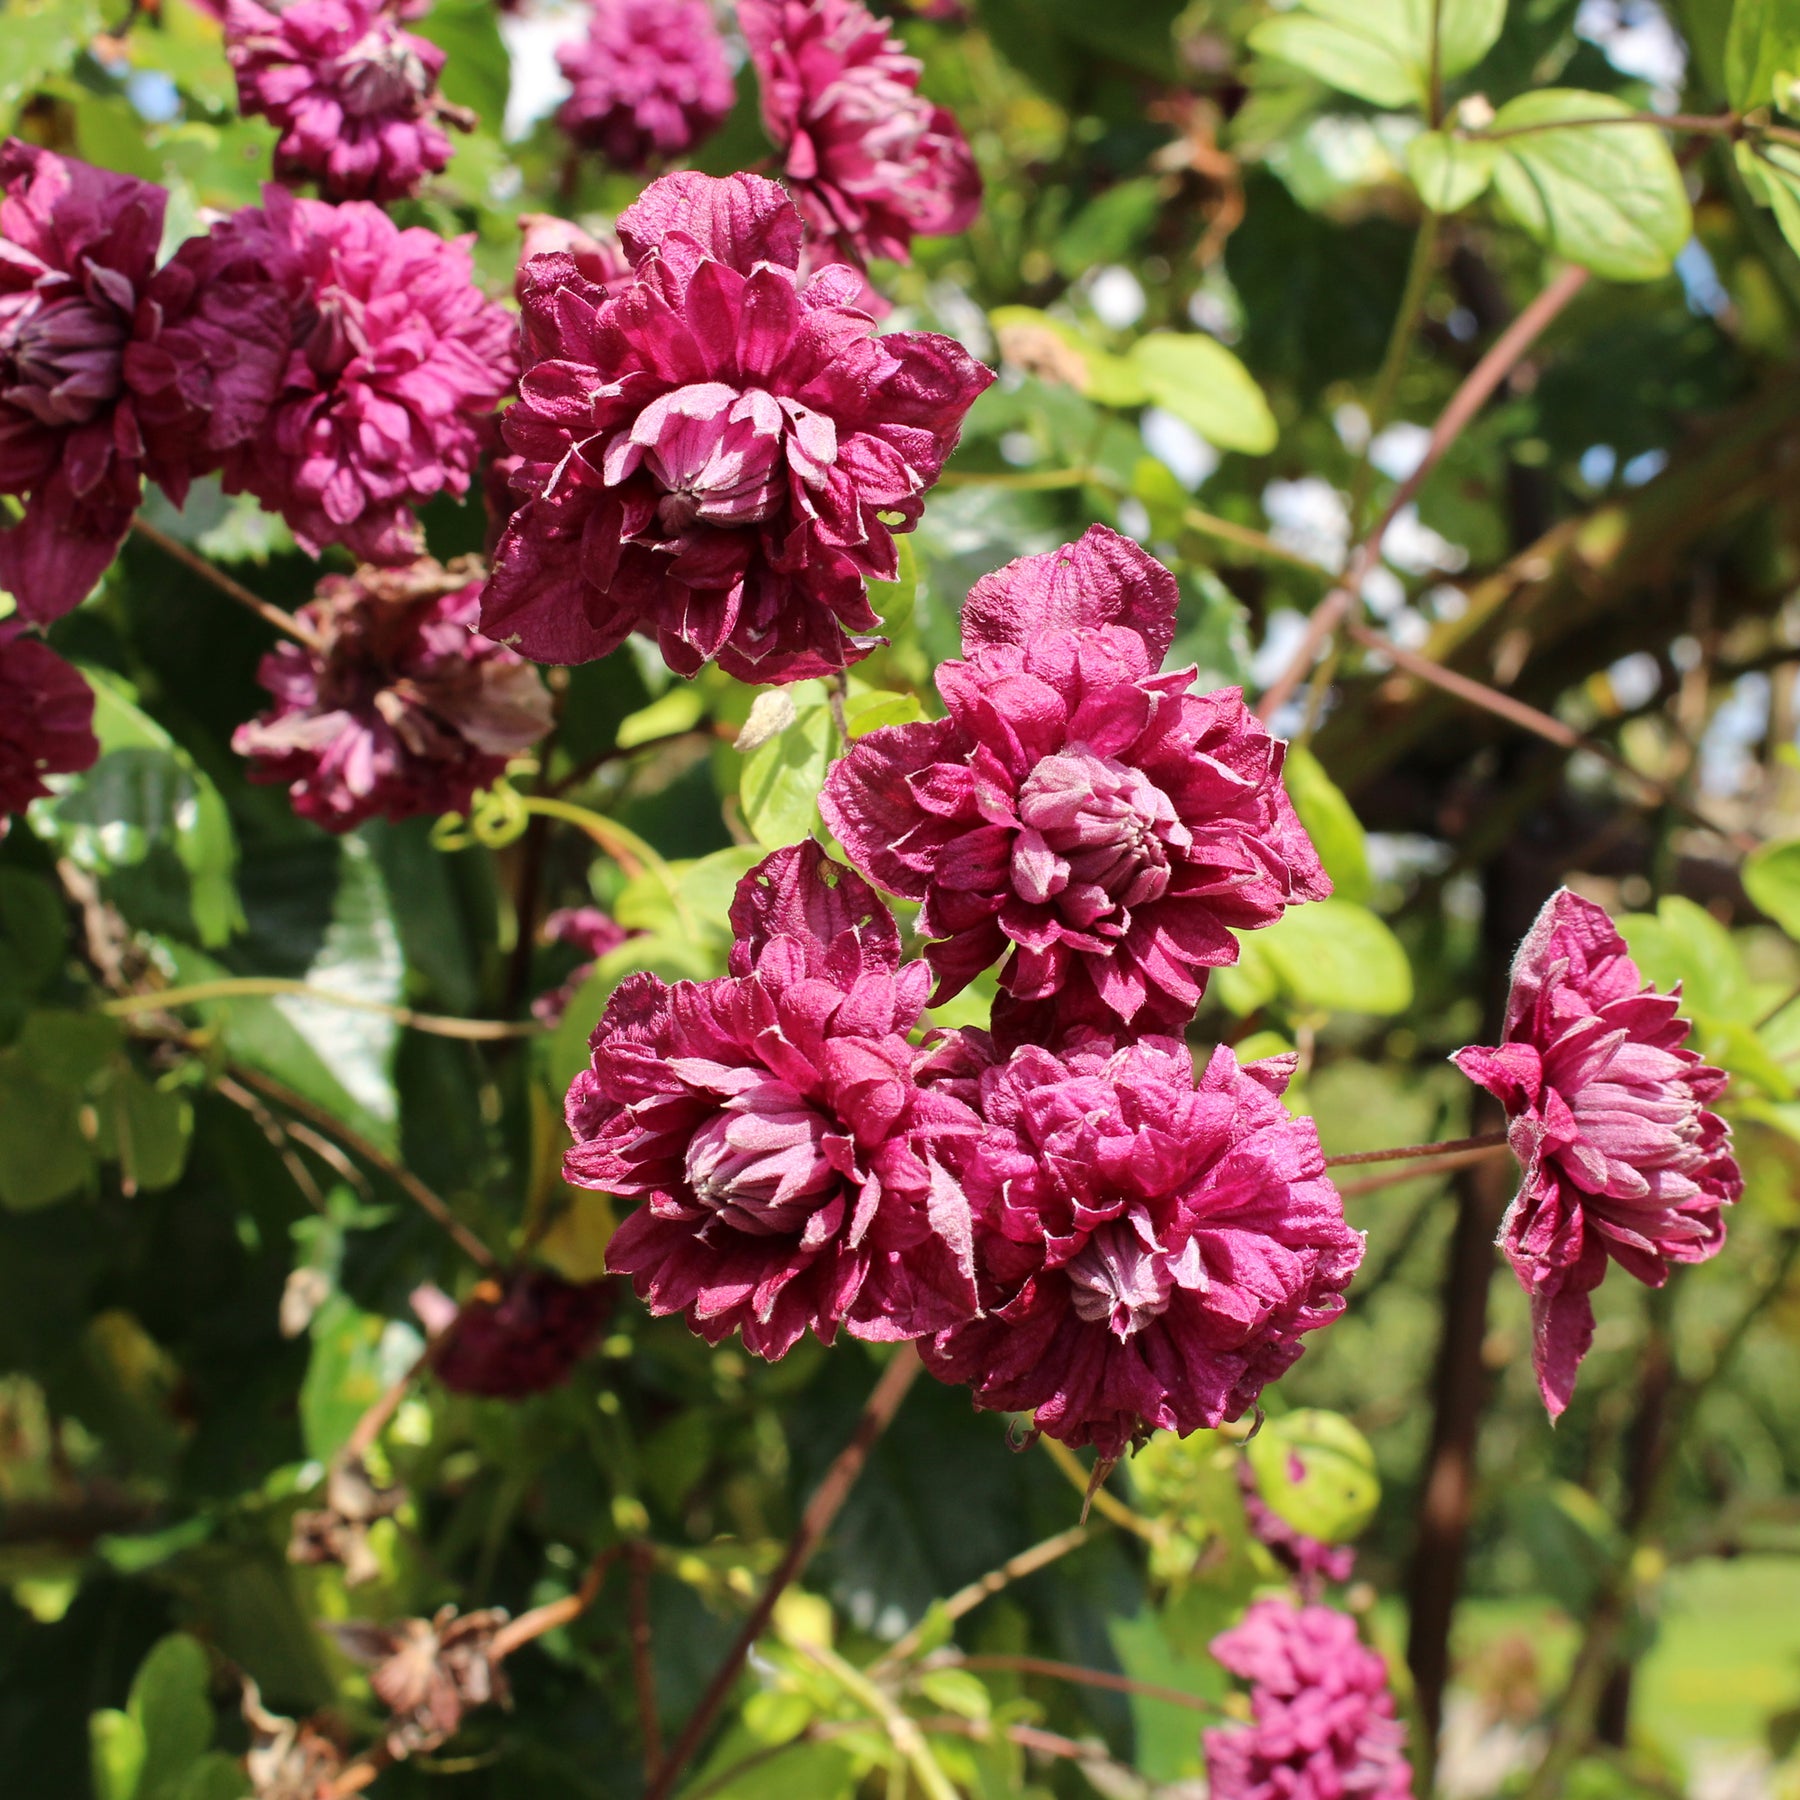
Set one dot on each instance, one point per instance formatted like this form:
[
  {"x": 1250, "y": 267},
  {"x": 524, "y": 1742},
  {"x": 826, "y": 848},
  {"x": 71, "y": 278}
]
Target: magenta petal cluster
[
  {"x": 1310, "y": 1560},
  {"x": 402, "y": 708},
  {"x": 77, "y": 254},
  {"x": 872, "y": 163},
  {"x": 520, "y": 1335},
  {"x": 1150, "y": 1248},
  {"x": 46, "y": 719},
  {"x": 1089, "y": 819},
  {"x": 594, "y": 934},
  {"x": 393, "y": 366},
  {"x": 1322, "y": 1720},
  {"x": 770, "y": 1124},
  {"x": 720, "y": 454},
  {"x": 1608, "y": 1113},
  {"x": 649, "y": 81},
  {"x": 354, "y": 97}
]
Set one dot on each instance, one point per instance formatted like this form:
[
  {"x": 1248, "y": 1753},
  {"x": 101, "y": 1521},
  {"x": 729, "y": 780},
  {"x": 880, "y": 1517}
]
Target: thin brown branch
[
  {"x": 823, "y": 1507},
  {"x": 1099, "y": 1678},
  {"x": 554, "y": 1613},
  {"x": 432, "y": 1204},
  {"x": 1725, "y": 125},
  {"x": 1478, "y": 387},
  {"x": 643, "y": 1658},
  {"x": 1485, "y": 1141},
  {"x": 1419, "y": 1171},
  {"x": 375, "y": 1421},
  {"x": 196, "y": 564}
]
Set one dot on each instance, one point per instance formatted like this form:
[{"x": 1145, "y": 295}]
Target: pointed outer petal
[
  {"x": 770, "y": 315},
  {"x": 800, "y": 894},
  {"x": 536, "y": 600},
  {"x": 1568, "y": 926},
  {"x": 956, "y": 961},
  {"x": 1512, "y": 1073},
  {"x": 53, "y": 558},
  {"x": 741, "y": 220},
  {"x": 1104, "y": 579},
  {"x": 932, "y": 385},
  {"x": 868, "y": 801},
  {"x": 1562, "y": 1330}
]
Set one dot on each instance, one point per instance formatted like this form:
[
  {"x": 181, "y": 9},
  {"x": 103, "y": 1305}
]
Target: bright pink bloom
[
  {"x": 1323, "y": 1725},
  {"x": 77, "y": 252},
  {"x": 871, "y": 162},
  {"x": 403, "y": 709},
  {"x": 46, "y": 719},
  {"x": 1310, "y": 1560},
  {"x": 598, "y": 261},
  {"x": 1607, "y": 1112},
  {"x": 592, "y": 932},
  {"x": 722, "y": 453},
  {"x": 354, "y": 97},
  {"x": 1150, "y": 1248},
  {"x": 396, "y": 363},
  {"x": 650, "y": 81},
  {"x": 770, "y": 1123},
  {"x": 1078, "y": 812},
  {"x": 521, "y": 1335}
]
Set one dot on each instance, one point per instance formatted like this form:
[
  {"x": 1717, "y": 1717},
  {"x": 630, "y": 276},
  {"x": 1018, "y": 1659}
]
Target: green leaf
[
  {"x": 1336, "y": 956},
  {"x": 170, "y": 1705},
  {"x": 43, "y": 37},
  {"x": 146, "y": 1128},
  {"x": 44, "y": 1154},
  {"x": 33, "y": 932},
  {"x": 115, "y": 1753},
  {"x": 213, "y": 1777},
  {"x": 1683, "y": 943},
  {"x": 349, "y": 1371},
  {"x": 779, "y": 788},
  {"x": 1331, "y": 823},
  {"x": 1317, "y": 1471},
  {"x": 1607, "y": 196},
  {"x": 477, "y": 67},
  {"x": 1110, "y": 226},
  {"x": 1762, "y": 43},
  {"x": 957, "y": 1691},
  {"x": 1449, "y": 172},
  {"x": 1060, "y": 352},
  {"x": 1381, "y": 50},
  {"x": 1771, "y": 876},
  {"x": 1196, "y": 378},
  {"x": 680, "y": 709}
]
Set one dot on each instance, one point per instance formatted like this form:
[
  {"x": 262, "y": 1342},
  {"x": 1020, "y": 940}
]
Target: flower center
[
  {"x": 60, "y": 359},
  {"x": 757, "y": 1165},
  {"x": 379, "y": 76},
  {"x": 1096, "y": 838},
  {"x": 721, "y": 455},
  {"x": 1117, "y": 1281}
]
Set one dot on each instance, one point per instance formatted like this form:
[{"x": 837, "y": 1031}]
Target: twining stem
[
  {"x": 1477, "y": 389},
  {"x": 553, "y": 1613},
  {"x": 1485, "y": 1140},
  {"x": 966, "y": 1599},
  {"x": 1245, "y": 537},
  {"x": 265, "y": 610},
  {"x": 1417, "y": 1171},
  {"x": 1541, "y": 724},
  {"x": 432, "y": 1204},
  {"x": 821, "y": 1509},
  {"x": 250, "y": 987},
  {"x": 903, "y": 1731},
  {"x": 1100, "y": 1678}
]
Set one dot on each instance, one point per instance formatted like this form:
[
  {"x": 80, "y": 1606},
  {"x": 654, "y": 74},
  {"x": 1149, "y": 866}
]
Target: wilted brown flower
[
  {"x": 338, "y": 1532},
  {"x": 429, "y": 1672},
  {"x": 288, "y": 1759}
]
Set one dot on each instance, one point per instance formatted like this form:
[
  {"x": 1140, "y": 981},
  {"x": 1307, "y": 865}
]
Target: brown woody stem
[
  {"x": 1487, "y": 1140},
  {"x": 196, "y": 564}
]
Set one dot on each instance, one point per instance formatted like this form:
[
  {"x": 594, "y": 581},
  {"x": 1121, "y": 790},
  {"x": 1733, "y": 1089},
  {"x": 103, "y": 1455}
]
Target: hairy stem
[{"x": 251, "y": 987}]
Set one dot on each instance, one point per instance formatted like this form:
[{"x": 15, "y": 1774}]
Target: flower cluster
[
  {"x": 721, "y": 452},
  {"x": 520, "y": 1336},
  {"x": 1608, "y": 1114},
  {"x": 354, "y": 97},
  {"x": 1322, "y": 1720},
  {"x": 871, "y": 162},
  {"x": 46, "y": 720},
  {"x": 397, "y": 707},
  {"x": 648, "y": 82}
]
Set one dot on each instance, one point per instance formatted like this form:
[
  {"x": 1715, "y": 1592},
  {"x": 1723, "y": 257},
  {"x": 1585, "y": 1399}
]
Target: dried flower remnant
[
  {"x": 1608, "y": 1112},
  {"x": 521, "y": 1336},
  {"x": 649, "y": 81},
  {"x": 402, "y": 708},
  {"x": 1151, "y": 1249},
  {"x": 720, "y": 454},
  {"x": 288, "y": 1759},
  {"x": 870, "y": 161},
  {"x": 338, "y": 1532},
  {"x": 428, "y": 1672},
  {"x": 770, "y": 1124},
  {"x": 1322, "y": 1720},
  {"x": 46, "y": 719},
  {"x": 1078, "y": 813},
  {"x": 354, "y": 97}
]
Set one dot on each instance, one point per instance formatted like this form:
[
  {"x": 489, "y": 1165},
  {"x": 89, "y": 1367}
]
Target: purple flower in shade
[
  {"x": 354, "y": 97},
  {"x": 1607, "y": 1112},
  {"x": 650, "y": 80},
  {"x": 520, "y": 1335},
  {"x": 394, "y": 365},
  {"x": 401, "y": 709},
  {"x": 594, "y": 934},
  {"x": 871, "y": 162},
  {"x": 1077, "y": 812},
  {"x": 770, "y": 1123},
  {"x": 1311, "y": 1560},
  {"x": 1322, "y": 1720},
  {"x": 1150, "y": 1248},
  {"x": 77, "y": 252},
  {"x": 722, "y": 453},
  {"x": 46, "y": 719}
]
